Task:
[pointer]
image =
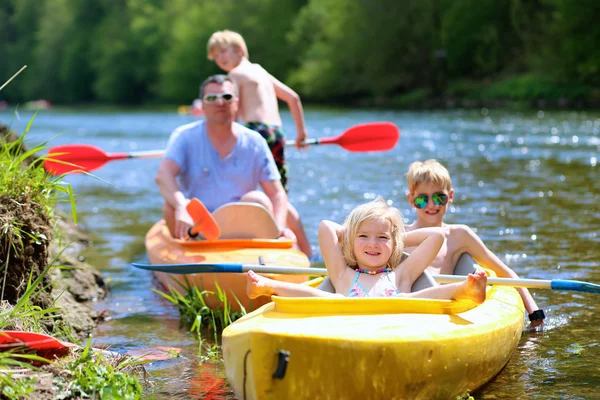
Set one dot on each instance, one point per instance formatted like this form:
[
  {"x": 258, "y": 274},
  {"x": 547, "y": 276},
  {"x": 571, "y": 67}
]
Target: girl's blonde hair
[
  {"x": 425, "y": 172},
  {"x": 376, "y": 209},
  {"x": 225, "y": 39}
]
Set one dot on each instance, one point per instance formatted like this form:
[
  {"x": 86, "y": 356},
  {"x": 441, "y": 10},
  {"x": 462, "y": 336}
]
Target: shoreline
[{"x": 50, "y": 289}]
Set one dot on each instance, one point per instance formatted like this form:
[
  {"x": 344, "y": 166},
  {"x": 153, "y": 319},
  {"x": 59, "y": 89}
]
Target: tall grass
[
  {"x": 22, "y": 174},
  {"x": 195, "y": 312}
]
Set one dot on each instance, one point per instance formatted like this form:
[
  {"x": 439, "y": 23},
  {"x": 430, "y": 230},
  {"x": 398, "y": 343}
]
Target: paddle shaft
[
  {"x": 554, "y": 284},
  {"x": 161, "y": 153},
  {"x": 526, "y": 283},
  {"x": 273, "y": 269}
]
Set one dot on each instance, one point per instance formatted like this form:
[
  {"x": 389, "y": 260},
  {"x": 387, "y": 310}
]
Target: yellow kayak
[
  {"x": 371, "y": 348},
  {"x": 246, "y": 237}
]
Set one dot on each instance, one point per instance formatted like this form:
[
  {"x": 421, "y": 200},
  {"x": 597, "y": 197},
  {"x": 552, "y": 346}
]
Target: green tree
[
  {"x": 352, "y": 48},
  {"x": 18, "y": 24},
  {"x": 576, "y": 35},
  {"x": 479, "y": 37},
  {"x": 61, "y": 70},
  {"x": 125, "y": 57}
]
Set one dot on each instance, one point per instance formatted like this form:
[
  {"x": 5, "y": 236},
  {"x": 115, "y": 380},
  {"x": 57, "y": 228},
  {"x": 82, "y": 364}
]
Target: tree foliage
[{"x": 138, "y": 51}]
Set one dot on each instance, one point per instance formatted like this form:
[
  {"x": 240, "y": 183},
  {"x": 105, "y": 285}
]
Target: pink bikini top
[{"x": 383, "y": 288}]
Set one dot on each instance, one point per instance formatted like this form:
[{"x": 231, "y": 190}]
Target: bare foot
[
  {"x": 257, "y": 285},
  {"x": 473, "y": 288}
]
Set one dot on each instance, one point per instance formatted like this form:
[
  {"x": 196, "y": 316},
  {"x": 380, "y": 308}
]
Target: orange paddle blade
[{"x": 203, "y": 220}]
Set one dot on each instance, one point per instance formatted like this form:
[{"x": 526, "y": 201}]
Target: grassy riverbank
[{"x": 44, "y": 289}]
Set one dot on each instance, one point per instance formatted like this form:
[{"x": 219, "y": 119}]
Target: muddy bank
[{"x": 78, "y": 288}]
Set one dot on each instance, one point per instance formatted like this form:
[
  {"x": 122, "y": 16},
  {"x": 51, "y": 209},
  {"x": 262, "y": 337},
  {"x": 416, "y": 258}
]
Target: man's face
[
  {"x": 220, "y": 103},
  {"x": 428, "y": 199}
]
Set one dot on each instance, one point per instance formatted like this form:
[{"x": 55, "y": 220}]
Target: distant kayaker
[
  {"x": 259, "y": 110},
  {"x": 364, "y": 259},
  {"x": 430, "y": 193},
  {"x": 218, "y": 161}
]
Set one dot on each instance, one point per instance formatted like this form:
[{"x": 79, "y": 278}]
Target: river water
[{"x": 528, "y": 182}]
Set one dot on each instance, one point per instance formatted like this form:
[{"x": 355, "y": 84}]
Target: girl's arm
[
  {"x": 332, "y": 251},
  {"x": 429, "y": 242}
]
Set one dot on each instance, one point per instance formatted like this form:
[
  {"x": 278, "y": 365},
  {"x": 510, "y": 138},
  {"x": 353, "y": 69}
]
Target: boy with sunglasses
[
  {"x": 430, "y": 192},
  {"x": 258, "y": 109}
]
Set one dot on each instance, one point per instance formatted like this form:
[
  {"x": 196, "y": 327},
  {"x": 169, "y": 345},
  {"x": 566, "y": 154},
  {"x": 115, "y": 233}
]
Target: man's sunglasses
[
  {"x": 439, "y": 199},
  {"x": 211, "y": 98}
]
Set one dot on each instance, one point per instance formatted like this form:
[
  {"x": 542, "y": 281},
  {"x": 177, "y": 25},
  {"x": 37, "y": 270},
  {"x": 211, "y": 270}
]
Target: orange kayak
[{"x": 239, "y": 225}]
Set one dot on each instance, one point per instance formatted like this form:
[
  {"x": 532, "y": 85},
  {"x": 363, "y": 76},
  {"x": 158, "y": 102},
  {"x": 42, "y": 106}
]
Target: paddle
[
  {"x": 49, "y": 346},
  {"x": 77, "y": 158},
  {"x": 204, "y": 221},
  {"x": 554, "y": 284}
]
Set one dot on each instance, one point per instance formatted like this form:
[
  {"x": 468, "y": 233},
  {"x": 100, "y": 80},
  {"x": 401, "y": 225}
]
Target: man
[{"x": 218, "y": 161}]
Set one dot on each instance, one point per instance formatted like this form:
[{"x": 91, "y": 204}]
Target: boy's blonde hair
[
  {"x": 224, "y": 39},
  {"x": 428, "y": 171},
  {"x": 373, "y": 210}
]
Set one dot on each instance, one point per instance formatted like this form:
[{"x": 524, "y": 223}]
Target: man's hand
[
  {"x": 183, "y": 222},
  {"x": 286, "y": 233}
]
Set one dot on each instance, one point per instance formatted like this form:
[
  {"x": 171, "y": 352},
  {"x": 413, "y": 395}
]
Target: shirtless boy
[
  {"x": 430, "y": 192},
  {"x": 258, "y": 108}
]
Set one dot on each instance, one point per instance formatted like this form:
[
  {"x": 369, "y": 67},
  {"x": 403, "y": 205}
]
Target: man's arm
[
  {"x": 275, "y": 193},
  {"x": 292, "y": 99},
  {"x": 169, "y": 189}
]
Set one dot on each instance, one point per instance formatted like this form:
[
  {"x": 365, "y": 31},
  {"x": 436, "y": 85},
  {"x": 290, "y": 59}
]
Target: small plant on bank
[{"x": 90, "y": 375}]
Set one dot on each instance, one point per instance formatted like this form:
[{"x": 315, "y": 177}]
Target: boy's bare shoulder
[
  {"x": 459, "y": 230},
  {"x": 247, "y": 72},
  {"x": 239, "y": 74}
]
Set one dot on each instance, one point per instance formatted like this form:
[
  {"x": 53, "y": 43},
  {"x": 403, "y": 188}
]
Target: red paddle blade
[
  {"x": 76, "y": 158},
  {"x": 374, "y": 136},
  {"x": 31, "y": 340},
  {"x": 205, "y": 223}
]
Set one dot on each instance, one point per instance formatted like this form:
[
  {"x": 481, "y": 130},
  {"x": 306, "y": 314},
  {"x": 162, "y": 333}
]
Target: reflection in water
[{"x": 527, "y": 182}]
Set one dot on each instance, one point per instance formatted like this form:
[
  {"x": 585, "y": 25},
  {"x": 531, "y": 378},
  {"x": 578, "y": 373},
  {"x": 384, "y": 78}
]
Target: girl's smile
[{"x": 373, "y": 244}]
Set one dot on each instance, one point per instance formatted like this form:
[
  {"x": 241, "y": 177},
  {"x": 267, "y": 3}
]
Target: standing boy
[
  {"x": 258, "y": 108},
  {"x": 430, "y": 192}
]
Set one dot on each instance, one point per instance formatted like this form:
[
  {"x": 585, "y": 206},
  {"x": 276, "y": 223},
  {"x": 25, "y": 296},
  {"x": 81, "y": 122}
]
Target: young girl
[{"x": 363, "y": 260}]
